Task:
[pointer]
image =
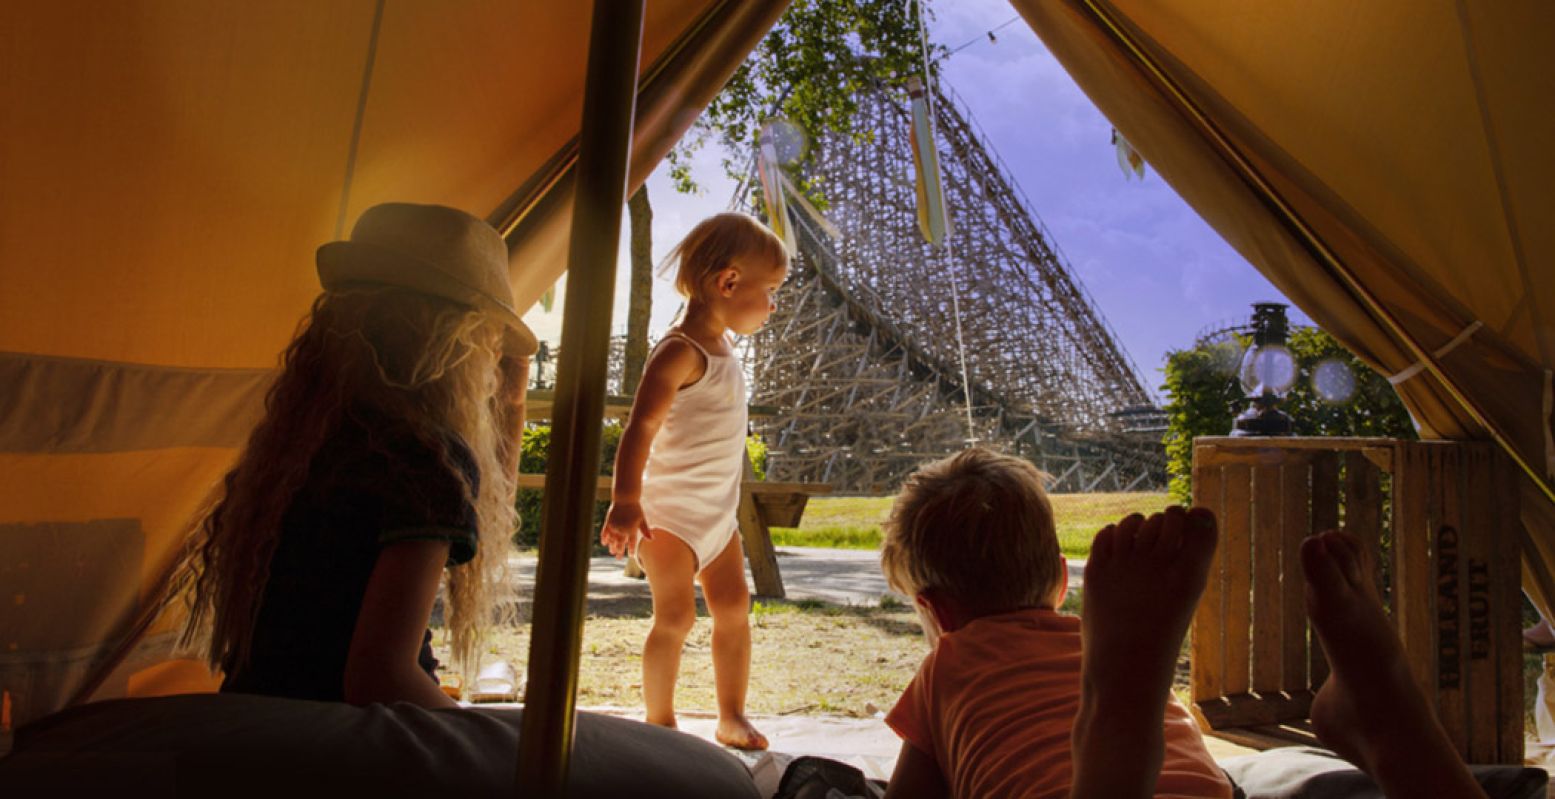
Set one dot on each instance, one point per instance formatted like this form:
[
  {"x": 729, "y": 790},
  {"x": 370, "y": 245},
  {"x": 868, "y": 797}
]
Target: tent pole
[
  {"x": 1302, "y": 232},
  {"x": 609, "y": 100}
]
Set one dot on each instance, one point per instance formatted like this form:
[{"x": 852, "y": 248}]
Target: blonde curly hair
[{"x": 429, "y": 363}]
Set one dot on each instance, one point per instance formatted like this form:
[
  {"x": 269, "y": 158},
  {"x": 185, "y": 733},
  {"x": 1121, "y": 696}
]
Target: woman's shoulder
[{"x": 390, "y": 443}]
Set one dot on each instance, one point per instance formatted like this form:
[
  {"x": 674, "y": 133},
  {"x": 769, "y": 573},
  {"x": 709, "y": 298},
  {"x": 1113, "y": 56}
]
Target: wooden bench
[{"x": 763, "y": 505}]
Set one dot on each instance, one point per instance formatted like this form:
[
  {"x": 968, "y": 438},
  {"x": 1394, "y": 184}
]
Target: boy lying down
[{"x": 1019, "y": 700}]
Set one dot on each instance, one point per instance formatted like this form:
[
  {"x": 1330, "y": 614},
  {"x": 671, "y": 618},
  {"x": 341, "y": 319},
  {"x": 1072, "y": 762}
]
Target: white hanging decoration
[
  {"x": 770, "y": 169},
  {"x": 933, "y": 219},
  {"x": 1129, "y": 159}
]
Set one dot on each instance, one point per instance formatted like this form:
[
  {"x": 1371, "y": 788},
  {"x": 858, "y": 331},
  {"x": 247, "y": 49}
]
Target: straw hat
[{"x": 431, "y": 249}]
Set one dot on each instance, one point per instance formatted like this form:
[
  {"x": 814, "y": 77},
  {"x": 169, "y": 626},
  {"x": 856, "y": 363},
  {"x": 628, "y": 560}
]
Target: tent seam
[
  {"x": 1487, "y": 128},
  {"x": 361, "y": 113},
  {"x": 1441, "y": 352}
]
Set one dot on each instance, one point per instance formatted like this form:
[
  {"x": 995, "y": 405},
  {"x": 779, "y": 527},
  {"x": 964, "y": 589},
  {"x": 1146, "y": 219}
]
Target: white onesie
[{"x": 691, "y": 483}]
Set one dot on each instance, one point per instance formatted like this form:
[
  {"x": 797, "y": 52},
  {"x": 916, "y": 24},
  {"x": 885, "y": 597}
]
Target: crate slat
[
  {"x": 1207, "y": 658},
  {"x": 1239, "y": 573},
  {"x": 1363, "y": 507},
  {"x": 1246, "y": 710},
  {"x": 1478, "y": 534},
  {"x": 1325, "y": 516},
  {"x": 1507, "y": 622},
  {"x": 1295, "y": 525},
  {"x": 1448, "y": 561},
  {"x": 1268, "y": 616},
  {"x": 1412, "y": 577}
]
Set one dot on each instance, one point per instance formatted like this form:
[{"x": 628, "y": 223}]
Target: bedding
[
  {"x": 232, "y": 745},
  {"x": 1305, "y": 772}
]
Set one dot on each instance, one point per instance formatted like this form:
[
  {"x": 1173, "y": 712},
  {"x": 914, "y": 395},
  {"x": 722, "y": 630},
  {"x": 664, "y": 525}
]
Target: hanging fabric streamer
[
  {"x": 933, "y": 215},
  {"x": 810, "y": 210},
  {"x": 772, "y": 195},
  {"x": 933, "y": 220},
  {"x": 1129, "y": 159}
]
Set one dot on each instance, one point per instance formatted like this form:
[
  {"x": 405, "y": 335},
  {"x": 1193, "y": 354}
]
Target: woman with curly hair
[{"x": 385, "y": 460}]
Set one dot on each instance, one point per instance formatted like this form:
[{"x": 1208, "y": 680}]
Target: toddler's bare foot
[
  {"x": 668, "y": 722},
  {"x": 1369, "y": 710},
  {"x": 736, "y": 732},
  {"x": 1142, "y": 582}
]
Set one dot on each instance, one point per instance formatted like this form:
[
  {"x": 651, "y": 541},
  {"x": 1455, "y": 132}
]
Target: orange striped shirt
[{"x": 994, "y": 705}]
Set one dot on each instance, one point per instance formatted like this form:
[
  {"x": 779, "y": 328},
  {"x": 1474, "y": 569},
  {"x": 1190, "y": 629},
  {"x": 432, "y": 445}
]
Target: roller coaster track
[{"x": 861, "y": 361}]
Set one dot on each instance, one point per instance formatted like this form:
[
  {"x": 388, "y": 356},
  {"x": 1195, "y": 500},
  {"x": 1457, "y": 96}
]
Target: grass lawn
[{"x": 854, "y": 522}]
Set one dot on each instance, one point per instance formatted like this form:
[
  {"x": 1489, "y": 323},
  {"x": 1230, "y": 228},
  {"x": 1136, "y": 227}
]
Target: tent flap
[
  {"x": 170, "y": 169},
  {"x": 1410, "y": 147}
]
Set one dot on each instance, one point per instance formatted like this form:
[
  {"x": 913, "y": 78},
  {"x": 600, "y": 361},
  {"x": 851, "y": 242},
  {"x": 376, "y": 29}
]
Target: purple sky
[{"x": 1156, "y": 271}]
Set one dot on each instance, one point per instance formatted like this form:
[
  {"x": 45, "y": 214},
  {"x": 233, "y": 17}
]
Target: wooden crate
[{"x": 1440, "y": 519}]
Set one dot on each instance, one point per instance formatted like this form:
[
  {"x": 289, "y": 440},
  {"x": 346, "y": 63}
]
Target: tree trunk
[{"x": 640, "y": 305}]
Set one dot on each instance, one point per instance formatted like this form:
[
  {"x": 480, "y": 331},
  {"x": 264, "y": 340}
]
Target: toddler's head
[
  {"x": 734, "y": 261},
  {"x": 976, "y": 527}
]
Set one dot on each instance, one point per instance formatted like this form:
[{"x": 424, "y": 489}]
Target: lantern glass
[{"x": 1269, "y": 368}]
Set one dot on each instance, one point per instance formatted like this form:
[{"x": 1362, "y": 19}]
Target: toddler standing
[{"x": 680, "y": 462}]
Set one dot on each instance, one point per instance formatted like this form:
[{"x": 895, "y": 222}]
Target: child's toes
[
  {"x": 1319, "y": 566},
  {"x": 1149, "y": 535},
  {"x": 1199, "y": 533},
  {"x": 1102, "y": 546},
  {"x": 1345, "y": 549},
  {"x": 1127, "y": 535},
  {"x": 1199, "y": 537},
  {"x": 1174, "y": 519}
]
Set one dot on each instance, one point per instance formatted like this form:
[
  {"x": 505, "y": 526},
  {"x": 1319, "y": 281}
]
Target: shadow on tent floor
[{"x": 866, "y": 744}]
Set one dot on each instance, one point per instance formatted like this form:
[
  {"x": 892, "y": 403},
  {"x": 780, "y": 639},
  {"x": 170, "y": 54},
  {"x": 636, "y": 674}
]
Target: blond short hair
[
  {"x": 978, "y": 527},
  {"x": 716, "y": 243}
]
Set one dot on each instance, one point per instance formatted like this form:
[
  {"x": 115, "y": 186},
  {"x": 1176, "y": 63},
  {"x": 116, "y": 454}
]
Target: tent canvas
[
  {"x": 169, "y": 168},
  {"x": 1410, "y": 141}
]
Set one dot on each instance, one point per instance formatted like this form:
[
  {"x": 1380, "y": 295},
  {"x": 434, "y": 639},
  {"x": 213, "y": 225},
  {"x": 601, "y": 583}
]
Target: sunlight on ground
[
  {"x": 807, "y": 657},
  {"x": 854, "y": 522}
]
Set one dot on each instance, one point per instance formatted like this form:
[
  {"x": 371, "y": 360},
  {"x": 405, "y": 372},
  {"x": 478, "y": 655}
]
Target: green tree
[
  {"x": 808, "y": 70},
  {"x": 640, "y": 294},
  {"x": 1205, "y": 397}
]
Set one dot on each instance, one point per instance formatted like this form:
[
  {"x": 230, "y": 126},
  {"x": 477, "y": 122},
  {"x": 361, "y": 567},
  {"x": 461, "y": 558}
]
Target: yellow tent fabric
[
  {"x": 169, "y": 167},
  {"x": 1412, "y": 137},
  {"x": 168, "y": 170}
]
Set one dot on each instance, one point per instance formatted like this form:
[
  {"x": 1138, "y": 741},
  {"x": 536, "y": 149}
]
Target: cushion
[
  {"x": 1302, "y": 772},
  {"x": 246, "y": 745}
]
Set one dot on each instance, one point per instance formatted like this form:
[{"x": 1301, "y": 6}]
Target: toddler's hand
[{"x": 623, "y": 524}]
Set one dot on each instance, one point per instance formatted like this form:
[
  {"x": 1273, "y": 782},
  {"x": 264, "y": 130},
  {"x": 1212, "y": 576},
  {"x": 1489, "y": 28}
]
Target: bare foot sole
[
  {"x": 1369, "y": 710},
  {"x": 739, "y": 733},
  {"x": 1142, "y": 583}
]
